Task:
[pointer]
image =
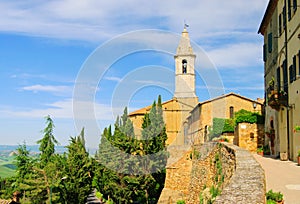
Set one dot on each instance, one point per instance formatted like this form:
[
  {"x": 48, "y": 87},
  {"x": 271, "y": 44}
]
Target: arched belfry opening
[{"x": 184, "y": 66}]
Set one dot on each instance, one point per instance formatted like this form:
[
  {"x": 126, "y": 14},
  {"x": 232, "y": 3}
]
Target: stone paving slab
[{"x": 283, "y": 176}]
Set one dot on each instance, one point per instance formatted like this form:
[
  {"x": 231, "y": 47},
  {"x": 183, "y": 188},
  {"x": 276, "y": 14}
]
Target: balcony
[{"x": 276, "y": 99}]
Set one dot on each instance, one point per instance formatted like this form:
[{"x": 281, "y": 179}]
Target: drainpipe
[{"x": 286, "y": 58}]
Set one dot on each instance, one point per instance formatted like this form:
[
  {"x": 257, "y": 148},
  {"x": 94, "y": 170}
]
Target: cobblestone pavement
[{"x": 283, "y": 176}]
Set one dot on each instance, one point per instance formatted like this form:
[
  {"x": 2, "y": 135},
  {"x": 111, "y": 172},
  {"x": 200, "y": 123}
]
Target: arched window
[
  {"x": 272, "y": 124},
  {"x": 205, "y": 133},
  {"x": 231, "y": 112},
  {"x": 184, "y": 66},
  {"x": 185, "y": 132}
]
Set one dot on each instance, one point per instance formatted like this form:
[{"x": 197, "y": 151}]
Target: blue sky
[{"x": 45, "y": 45}]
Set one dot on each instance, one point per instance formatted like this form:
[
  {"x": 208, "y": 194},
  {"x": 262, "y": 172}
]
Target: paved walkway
[{"x": 283, "y": 176}]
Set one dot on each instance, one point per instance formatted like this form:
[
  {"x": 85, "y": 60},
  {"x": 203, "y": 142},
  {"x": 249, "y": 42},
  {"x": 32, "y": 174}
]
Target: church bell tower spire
[{"x": 184, "y": 68}]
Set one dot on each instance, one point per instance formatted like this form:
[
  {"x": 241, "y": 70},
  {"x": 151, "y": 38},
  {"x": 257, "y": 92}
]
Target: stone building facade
[
  {"x": 187, "y": 119},
  {"x": 201, "y": 117},
  {"x": 280, "y": 28}
]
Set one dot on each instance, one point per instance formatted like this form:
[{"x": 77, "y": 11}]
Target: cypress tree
[
  {"x": 47, "y": 143},
  {"x": 78, "y": 171},
  {"x": 129, "y": 155}
]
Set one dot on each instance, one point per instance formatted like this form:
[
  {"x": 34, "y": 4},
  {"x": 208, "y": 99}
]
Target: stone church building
[{"x": 187, "y": 120}]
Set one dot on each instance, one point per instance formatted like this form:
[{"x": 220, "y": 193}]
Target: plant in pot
[
  {"x": 260, "y": 151},
  {"x": 297, "y": 128},
  {"x": 298, "y": 158},
  {"x": 274, "y": 197},
  {"x": 272, "y": 83}
]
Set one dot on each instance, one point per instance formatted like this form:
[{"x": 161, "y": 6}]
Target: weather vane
[{"x": 185, "y": 24}]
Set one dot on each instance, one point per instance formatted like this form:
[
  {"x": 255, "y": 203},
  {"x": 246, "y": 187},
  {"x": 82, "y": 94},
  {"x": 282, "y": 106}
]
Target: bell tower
[{"x": 184, "y": 68}]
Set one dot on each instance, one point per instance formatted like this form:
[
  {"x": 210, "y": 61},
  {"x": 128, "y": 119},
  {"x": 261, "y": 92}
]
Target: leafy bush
[
  {"x": 221, "y": 125},
  {"x": 260, "y": 149},
  {"x": 271, "y": 202},
  {"x": 297, "y": 128},
  {"x": 249, "y": 117},
  {"x": 274, "y": 196},
  {"x": 180, "y": 202}
]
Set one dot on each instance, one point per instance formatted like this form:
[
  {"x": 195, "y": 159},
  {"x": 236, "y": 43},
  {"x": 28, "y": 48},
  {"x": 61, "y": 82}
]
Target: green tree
[
  {"x": 47, "y": 143},
  {"x": 77, "y": 182},
  {"x": 23, "y": 162},
  {"x": 248, "y": 117},
  {"x": 220, "y": 126},
  {"x": 126, "y": 164},
  {"x": 154, "y": 143},
  {"x": 30, "y": 180}
]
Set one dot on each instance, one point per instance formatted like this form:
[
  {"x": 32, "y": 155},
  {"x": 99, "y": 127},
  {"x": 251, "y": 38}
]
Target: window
[
  {"x": 205, "y": 133},
  {"x": 285, "y": 76},
  {"x": 292, "y": 70},
  {"x": 278, "y": 79},
  {"x": 299, "y": 62},
  {"x": 291, "y": 73},
  {"x": 284, "y": 17},
  {"x": 272, "y": 124},
  {"x": 280, "y": 24},
  {"x": 231, "y": 112},
  {"x": 265, "y": 52},
  {"x": 295, "y": 5},
  {"x": 289, "y": 10},
  {"x": 184, "y": 66},
  {"x": 270, "y": 42},
  {"x": 294, "y": 67}
]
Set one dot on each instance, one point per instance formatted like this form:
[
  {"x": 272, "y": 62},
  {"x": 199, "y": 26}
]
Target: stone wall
[
  {"x": 247, "y": 184},
  {"x": 210, "y": 170},
  {"x": 178, "y": 175},
  {"x": 249, "y": 136},
  {"x": 227, "y": 167}
]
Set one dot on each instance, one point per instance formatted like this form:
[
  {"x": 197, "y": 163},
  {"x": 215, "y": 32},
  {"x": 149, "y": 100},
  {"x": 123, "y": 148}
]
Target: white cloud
[
  {"x": 48, "y": 88},
  {"x": 28, "y": 76},
  {"x": 117, "y": 79},
  {"x": 64, "y": 109},
  {"x": 236, "y": 55},
  {"x": 211, "y": 22},
  {"x": 95, "y": 20}
]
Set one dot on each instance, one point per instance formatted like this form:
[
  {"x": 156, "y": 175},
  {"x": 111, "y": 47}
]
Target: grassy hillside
[
  {"x": 7, "y": 168},
  {"x": 6, "y": 171}
]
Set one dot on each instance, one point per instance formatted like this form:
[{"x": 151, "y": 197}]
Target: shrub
[
  {"x": 249, "y": 117},
  {"x": 221, "y": 125},
  {"x": 274, "y": 196},
  {"x": 180, "y": 202},
  {"x": 259, "y": 150}
]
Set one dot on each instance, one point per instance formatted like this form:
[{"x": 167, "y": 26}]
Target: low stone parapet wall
[
  {"x": 247, "y": 184},
  {"x": 225, "y": 167}
]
